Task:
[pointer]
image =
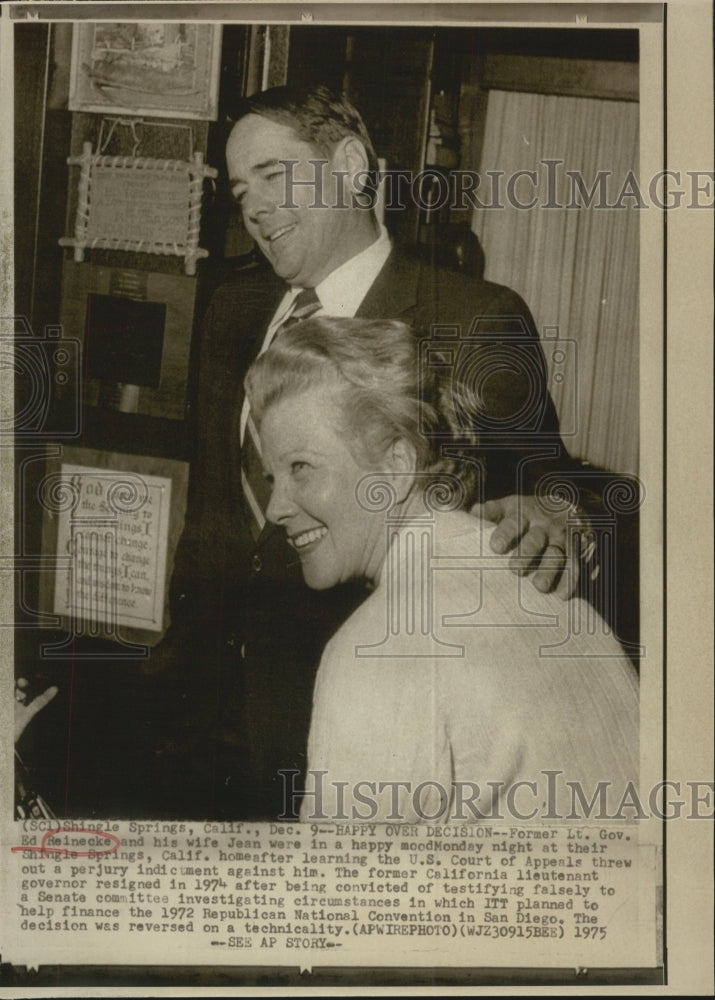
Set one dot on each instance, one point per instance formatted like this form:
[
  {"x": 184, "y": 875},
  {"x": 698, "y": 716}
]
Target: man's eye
[{"x": 299, "y": 468}]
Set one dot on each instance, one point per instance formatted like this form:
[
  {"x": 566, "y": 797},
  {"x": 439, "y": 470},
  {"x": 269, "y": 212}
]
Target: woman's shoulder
[
  {"x": 364, "y": 625},
  {"x": 507, "y": 611},
  {"x": 461, "y": 529}
]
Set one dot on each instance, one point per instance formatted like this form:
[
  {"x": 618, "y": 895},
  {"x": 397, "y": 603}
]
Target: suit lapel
[
  {"x": 257, "y": 297},
  {"x": 393, "y": 293},
  {"x": 257, "y": 309}
]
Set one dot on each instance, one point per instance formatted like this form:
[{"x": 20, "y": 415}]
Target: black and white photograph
[{"x": 340, "y": 613}]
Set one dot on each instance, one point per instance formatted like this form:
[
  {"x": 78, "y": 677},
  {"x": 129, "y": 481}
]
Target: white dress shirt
[
  {"x": 344, "y": 288},
  {"x": 340, "y": 293}
]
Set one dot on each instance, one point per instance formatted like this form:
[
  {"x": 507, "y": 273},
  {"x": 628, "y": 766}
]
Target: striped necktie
[
  {"x": 304, "y": 305},
  {"x": 256, "y": 490}
]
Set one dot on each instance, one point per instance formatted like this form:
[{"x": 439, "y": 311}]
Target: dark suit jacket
[{"x": 248, "y": 634}]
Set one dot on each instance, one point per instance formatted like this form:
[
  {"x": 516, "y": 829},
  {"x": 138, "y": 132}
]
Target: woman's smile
[
  {"x": 314, "y": 475},
  {"x": 307, "y": 540}
]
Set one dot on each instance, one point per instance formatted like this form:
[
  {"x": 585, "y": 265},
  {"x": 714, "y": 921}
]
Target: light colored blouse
[{"x": 458, "y": 678}]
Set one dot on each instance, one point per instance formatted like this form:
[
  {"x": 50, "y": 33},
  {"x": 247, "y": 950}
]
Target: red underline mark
[{"x": 68, "y": 852}]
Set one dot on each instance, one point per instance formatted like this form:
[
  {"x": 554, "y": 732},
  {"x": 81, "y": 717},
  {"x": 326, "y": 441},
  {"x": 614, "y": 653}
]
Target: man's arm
[
  {"x": 552, "y": 512},
  {"x": 500, "y": 377}
]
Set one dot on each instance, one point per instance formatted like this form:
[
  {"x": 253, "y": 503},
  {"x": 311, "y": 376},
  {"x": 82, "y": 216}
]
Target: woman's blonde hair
[{"x": 382, "y": 391}]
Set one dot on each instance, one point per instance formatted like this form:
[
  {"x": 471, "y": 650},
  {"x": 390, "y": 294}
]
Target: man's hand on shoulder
[{"x": 539, "y": 542}]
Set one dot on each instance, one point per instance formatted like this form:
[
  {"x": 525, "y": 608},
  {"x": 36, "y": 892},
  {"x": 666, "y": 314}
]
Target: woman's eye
[{"x": 299, "y": 468}]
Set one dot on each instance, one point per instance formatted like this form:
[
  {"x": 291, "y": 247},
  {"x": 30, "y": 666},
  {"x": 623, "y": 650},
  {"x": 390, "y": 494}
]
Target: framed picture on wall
[
  {"x": 111, "y": 524},
  {"x": 143, "y": 68}
]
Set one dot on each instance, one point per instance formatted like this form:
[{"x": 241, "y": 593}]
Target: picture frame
[
  {"x": 111, "y": 525},
  {"x": 146, "y": 69},
  {"x": 139, "y": 204}
]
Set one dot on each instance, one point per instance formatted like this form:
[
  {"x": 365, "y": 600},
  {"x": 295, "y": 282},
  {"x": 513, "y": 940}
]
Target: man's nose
[
  {"x": 257, "y": 202},
  {"x": 280, "y": 506}
]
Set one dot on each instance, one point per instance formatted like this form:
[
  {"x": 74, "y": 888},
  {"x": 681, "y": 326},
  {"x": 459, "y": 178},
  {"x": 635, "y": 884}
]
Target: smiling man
[
  {"x": 286, "y": 187},
  {"x": 247, "y": 633}
]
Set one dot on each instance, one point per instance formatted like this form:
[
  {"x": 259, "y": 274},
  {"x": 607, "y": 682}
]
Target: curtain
[{"x": 577, "y": 268}]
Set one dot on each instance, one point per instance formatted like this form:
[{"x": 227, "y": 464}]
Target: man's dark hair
[{"x": 316, "y": 114}]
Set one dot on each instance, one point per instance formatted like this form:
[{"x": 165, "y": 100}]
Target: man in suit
[{"x": 247, "y": 634}]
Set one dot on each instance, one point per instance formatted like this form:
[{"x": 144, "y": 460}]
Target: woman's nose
[{"x": 280, "y": 506}]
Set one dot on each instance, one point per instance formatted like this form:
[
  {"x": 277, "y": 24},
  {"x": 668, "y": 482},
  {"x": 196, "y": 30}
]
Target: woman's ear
[{"x": 402, "y": 463}]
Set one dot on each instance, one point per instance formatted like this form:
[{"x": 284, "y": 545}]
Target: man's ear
[
  {"x": 402, "y": 462},
  {"x": 351, "y": 156}
]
